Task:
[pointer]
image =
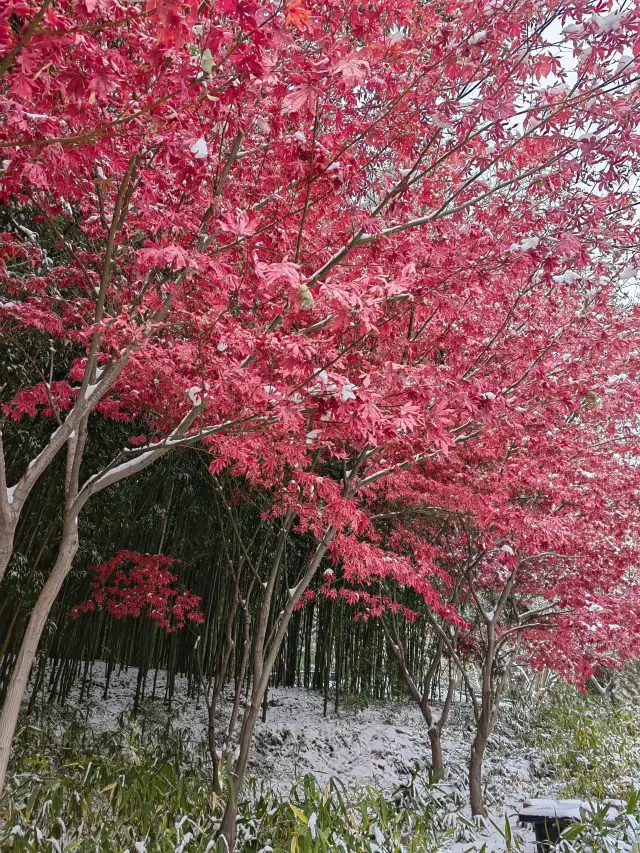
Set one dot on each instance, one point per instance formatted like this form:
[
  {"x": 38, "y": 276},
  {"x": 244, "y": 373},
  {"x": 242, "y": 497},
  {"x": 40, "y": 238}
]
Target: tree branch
[{"x": 26, "y": 37}]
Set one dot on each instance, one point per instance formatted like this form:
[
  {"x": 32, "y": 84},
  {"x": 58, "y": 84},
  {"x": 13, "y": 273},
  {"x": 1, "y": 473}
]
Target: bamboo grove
[{"x": 176, "y": 509}]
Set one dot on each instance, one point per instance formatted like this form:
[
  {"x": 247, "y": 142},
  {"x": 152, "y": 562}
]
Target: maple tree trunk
[
  {"x": 239, "y": 682},
  {"x": 20, "y": 677},
  {"x": 475, "y": 772},
  {"x": 265, "y": 659},
  {"x": 485, "y": 725},
  {"x": 437, "y": 761},
  {"x": 212, "y": 701},
  {"x": 434, "y": 727},
  {"x": 7, "y": 533},
  {"x": 228, "y": 827}
]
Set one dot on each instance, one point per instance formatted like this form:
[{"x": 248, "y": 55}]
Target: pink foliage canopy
[{"x": 392, "y": 232}]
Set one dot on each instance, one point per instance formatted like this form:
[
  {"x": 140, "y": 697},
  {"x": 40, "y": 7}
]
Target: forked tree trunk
[
  {"x": 486, "y": 722},
  {"x": 434, "y": 726},
  {"x": 265, "y": 655},
  {"x": 20, "y": 677}
]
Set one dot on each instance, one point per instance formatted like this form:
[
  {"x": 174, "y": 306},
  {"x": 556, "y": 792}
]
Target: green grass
[
  {"x": 148, "y": 789},
  {"x": 594, "y": 748}
]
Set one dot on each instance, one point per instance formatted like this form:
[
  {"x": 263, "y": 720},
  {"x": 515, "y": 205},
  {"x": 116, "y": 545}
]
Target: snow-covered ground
[{"x": 379, "y": 745}]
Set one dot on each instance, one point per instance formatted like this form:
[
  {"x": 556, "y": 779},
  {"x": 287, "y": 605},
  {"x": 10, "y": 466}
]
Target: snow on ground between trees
[{"x": 380, "y": 745}]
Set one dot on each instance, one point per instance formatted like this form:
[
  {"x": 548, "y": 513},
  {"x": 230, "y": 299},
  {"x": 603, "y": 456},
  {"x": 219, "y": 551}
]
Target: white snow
[
  {"x": 346, "y": 392},
  {"x": 585, "y": 53},
  {"x": 195, "y": 395},
  {"x": 567, "y": 277},
  {"x": 206, "y": 62},
  {"x": 525, "y": 245},
  {"x": 574, "y": 809},
  {"x": 199, "y": 149},
  {"x": 624, "y": 64},
  {"x": 628, "y": 272},
  {"x": 378, "y": 745},
  {"x": 311, "y": 823},
  {"x": 607, "y": 23},
  {"x": 619, "y": 377},
  {"x": 10, "y": 493},
  {"x": 478, "y": 37},
  {"x": 573, "y": 29}
]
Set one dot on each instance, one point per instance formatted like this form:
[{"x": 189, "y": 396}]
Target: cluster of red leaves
[
  {"x": 39, "y": 399},
  {"x": 133, "y": 584}
]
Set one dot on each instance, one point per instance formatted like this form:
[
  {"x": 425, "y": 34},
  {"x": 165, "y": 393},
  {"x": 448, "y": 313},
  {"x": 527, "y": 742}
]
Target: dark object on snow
[
  {"x": 547, "y": 821},
  {"x": 549, "y": 818}
]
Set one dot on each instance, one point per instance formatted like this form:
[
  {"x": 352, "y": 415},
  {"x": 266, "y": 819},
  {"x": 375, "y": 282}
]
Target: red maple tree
[
  {"x": 133, "y": 584},
  {"x": 392, "y": 237}
]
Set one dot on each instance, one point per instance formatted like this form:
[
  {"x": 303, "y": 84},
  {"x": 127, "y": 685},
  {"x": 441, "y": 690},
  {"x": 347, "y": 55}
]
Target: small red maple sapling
[{"x": 133, "y": 584}]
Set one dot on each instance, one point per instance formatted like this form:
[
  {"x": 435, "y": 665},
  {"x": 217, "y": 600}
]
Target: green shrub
[
  {"x": 417, "y": 818},
  {"x": 605, "y": 830},
  {"x": 593, "y": 747},
  {"x": 135, "y": 790}
]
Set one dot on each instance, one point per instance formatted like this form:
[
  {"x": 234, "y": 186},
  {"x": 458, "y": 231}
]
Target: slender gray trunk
[
  {"x": 239, "y": 683},
  {"x": 265, "y": 657},
  {"x": 20, "y": 677},
  {"x": 437, "y": 760},
  {"x": 475, "y": 773},
  {"x": 7, "y": 535}
]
